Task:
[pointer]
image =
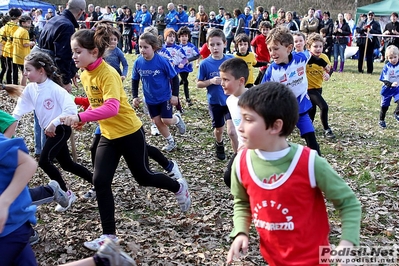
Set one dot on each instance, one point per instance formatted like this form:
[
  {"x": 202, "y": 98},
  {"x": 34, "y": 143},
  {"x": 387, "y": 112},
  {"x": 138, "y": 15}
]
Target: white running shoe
[
  {"x": 60, "y": 196},
  {"x": 72, "y": 198},
  {"x": 175, "y": 172},
  {"x": 183, "y": 196},
  {"x": 180, "y": 124},
  {"x": 169, "y": 146},
  {"x": 154, "y": 130},
  {"x": 98, "y": 242},
  {"x": 116, "y": 257}
]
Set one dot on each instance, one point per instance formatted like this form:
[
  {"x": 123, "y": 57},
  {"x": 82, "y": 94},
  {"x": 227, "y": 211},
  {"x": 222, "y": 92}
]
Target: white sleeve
[
  {"x": 68, "y": 106},
  {"x": 24, "y": 104}
]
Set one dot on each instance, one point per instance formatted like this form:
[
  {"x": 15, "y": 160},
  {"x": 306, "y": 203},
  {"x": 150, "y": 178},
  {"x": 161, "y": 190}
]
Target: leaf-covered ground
[{"x": 155, "y": 232}]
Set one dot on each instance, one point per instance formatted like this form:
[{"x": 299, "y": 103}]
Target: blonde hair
[{"x": 391, "y": 50}]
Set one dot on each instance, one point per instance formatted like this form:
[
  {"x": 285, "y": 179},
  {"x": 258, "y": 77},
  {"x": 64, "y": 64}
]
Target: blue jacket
[
  {"x": 56, "y": 38},
  {"x": 171, "y": 20},
  {"x": 183, "y": 19}
]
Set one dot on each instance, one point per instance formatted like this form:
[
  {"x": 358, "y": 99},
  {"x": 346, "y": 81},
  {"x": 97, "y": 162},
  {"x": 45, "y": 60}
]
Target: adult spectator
[
  {"x": 319, "y": 15},
  {"x": 145, "y": 18},
  {"x": 172, "y": 17},
  {"x": 296, "y": 18},
  {"x": 49, "y": 14},
  {"x": 160, "y": 21},
  {"x": 228, "y": 30},
  {"x": 310, "y": 23},
  {"x": 119, "y": 16},
  {"x": 60, "y": 10},
  {"x": 212, "y": 21},
  {"x": 348, "y": 18},
  {"x": 127, "y": 32},
  {"x": 92, "y": 16},
  {"x": 280, "y": 20},
  {"x": 114, "y": 11},
  {"x": 191, "y": 18},
  {"x": 273, "y": 14},
  {"x": 291, "y": 23},
  {"x": 183, "y": 17},
  {"x": 328, "y": 24},
  {"x": 107, "y": 15},
  {"x": 55, "y": 40},
  {"x": 220, "y": 17},
  {"x": 98, "y": 11},
  {"x": 137, "y": 18},
  {"x": 39, "y": 21},
  {"x": 266, "y": 17},
  {"x": 203, "y": 18},
  {"x": 373, "y": 27},
  {"x": 392, "y": 28},
  {"x": 341, "y": 33},
  {"x": 239, "y": 21},
  {"x": 247, "y": 18},
  {"x": 153, "y": 13}
]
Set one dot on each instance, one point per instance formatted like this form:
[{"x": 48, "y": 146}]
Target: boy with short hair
[
  {"x": 209, "y": 78},
  {"x": 280, "y": 185},
  {"x": 242, "y": 47},
  {"x": 234, "y": 74},
  {"x": 290, "y": 69},
  {"x": 259, "y": 47},
  {"x": 390, "y": 89}
]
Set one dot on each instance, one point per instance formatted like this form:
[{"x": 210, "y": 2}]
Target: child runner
[
  {"x": 280, "y": 185},
  {"x": 299, "y": 42},
  {"x": 390, "y": 89},
  {"x": 242, "y": 47},
  {"x": 259, "y": 47},
  {"x": 22, "y": 45},
  {"x": 50, "y": 101},
  {"x": 18, "y": 213},
  {"x": 154, "y": 70},
  {"x": 121, "y": 130},
  {"x": 115, "y": 57},
  {"x": 178, "y": 55},
  {"x": 290, "y": 68},
  {"x": 316, "y": 75},
  {"x": 234, "y": 74},
  {"x": 192, "y": 53},
  {"x": 209, "y": 78}
]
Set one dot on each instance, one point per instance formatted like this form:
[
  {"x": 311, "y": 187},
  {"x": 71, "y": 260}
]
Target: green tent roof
[{"x": 383, "y": 8}]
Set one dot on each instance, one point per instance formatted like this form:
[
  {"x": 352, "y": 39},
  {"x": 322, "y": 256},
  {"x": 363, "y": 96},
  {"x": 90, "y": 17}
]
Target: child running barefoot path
[
  {"x": 121, "y": 130},
  {"x": 280, "y": 185},
  {"x": 50, "y": 102}
]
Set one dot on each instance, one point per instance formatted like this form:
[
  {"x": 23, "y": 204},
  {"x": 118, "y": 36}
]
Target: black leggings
[
  {"x": 57, "y": 147},
  {"x": 3, "y": 68},
  {"x": 134, "y": 149},
  {"x": 317, "y": 100},
  {"x": 184, "y": 81}
]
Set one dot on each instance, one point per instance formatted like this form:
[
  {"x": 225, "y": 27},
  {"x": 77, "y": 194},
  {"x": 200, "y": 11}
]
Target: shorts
[
  {"x": 164, "y": 109},
  {"x": 219, "y": 114}
]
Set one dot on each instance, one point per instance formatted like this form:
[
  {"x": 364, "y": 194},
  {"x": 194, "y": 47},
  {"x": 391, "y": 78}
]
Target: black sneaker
[
  {"x": 189, "y": 102},
  {"x": 220, "y": 151},
  {"x": 34, "y": 238},
  {"x": 329, "y": 134}
]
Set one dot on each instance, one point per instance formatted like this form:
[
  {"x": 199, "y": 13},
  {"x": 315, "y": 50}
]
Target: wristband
[{"x": 80, "y": 120}]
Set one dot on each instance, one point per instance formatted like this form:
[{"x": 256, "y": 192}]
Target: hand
[
  {"x": 136, "y": 102},
  {"x": 68, "y": 87},
  {"x": 3, "y": 216},
  {"x": 71, "y": 120},
  {"x": 50, "y": 130},
  {"x": 240, "y": 243},
  {"x": 326, "y": 76},
  {"x": 180, "y": 65},
  {"x": 123, "y": 78},
  {"x": 216, "y": 80},
  {"x": 174, "y": 100},
  {"x": 343, "y": 244},
  {"x": 78, "y": 126},
  {"x": 394, "y": 84}
]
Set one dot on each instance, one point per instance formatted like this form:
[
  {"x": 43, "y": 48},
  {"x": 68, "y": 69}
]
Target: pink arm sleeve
[{"x": 109, "y": 109}]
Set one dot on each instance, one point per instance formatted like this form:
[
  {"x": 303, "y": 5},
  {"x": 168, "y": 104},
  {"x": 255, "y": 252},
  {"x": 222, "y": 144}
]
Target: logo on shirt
[
  {"x": 283, "y": 78},
  {"x": 272, "y": 179},
  {"x": 271, "y": 206},
  {"x": 94, "y": 88},
  {"x": 292, "y": 74},
  {"x": 48, "y": 104},
  {"x": 300, "y": 70}
]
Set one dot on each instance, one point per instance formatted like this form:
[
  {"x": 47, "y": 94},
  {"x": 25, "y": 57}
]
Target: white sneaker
[
  {"x": 60, "y": 196},
  {"x": 97, "y": 243},
  {"x": 175, "y": 172},
  {"x": 72, "y": 199},
  {"x": 154, "y": 130},
  {"x": 115, "y": 256},
  {"x": 169, "y": 146},
  {"x": 183, "y": 196},
  {"x": 180, "y": 124},
  {"x": 90, "y": 195}
]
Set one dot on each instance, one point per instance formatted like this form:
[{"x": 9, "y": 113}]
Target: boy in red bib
[{"x": 280, "y": 185}]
